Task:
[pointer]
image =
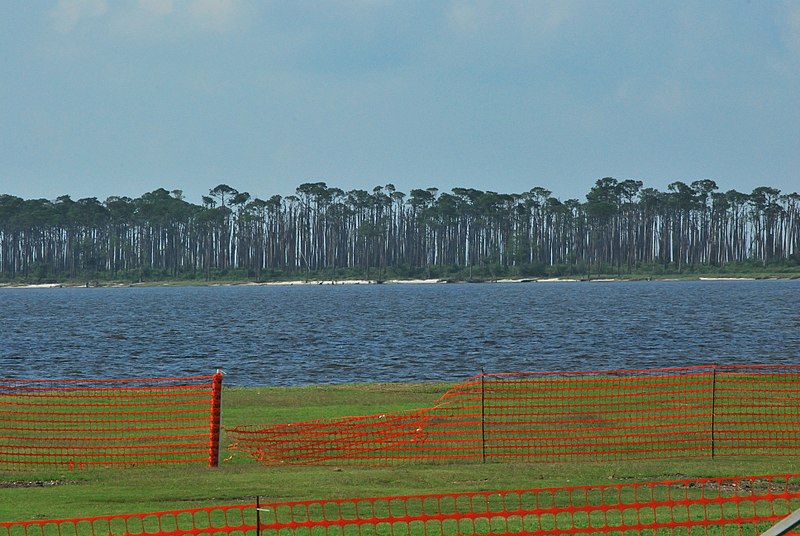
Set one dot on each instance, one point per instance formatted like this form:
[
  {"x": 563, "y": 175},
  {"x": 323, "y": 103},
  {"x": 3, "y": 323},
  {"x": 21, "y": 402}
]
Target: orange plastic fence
[
  {"x": 75, "y": 423},
  {"x": 712, "y": 506},
  {"x": 599, "y": 415},
  {"x": 235, "y": 520}
]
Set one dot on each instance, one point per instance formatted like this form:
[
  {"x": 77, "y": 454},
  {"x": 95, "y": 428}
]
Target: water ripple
[{"x": 267, "y": 335}]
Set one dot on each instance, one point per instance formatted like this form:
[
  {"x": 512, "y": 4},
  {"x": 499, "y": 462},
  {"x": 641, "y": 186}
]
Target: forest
[{"x": 621, "y": 228}]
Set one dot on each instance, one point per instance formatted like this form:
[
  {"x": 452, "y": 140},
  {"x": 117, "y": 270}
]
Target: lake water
[{"x": 311, "y": 334}]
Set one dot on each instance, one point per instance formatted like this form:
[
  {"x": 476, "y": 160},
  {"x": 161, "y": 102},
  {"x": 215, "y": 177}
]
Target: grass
[{"x": 60, "y": 493}]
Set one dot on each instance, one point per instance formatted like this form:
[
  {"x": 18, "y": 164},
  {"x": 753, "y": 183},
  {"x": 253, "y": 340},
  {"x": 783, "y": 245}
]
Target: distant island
[{"x": 622, "y": 230}]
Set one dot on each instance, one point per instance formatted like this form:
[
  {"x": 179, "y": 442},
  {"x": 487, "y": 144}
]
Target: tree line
[{"x": 621, "y": 227}]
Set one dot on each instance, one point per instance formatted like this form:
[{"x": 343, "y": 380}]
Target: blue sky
[{"x": 120, "y": 97}]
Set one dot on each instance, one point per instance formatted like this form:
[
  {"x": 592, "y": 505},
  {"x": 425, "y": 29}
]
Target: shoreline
[{"x": 347, "y": 282}]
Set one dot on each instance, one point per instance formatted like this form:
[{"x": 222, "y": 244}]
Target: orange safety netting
[
  {"x": 605, "y": 415},
  {"x": 76, "y": 423},
  {"x": 237, "y": 519},
  {"x": 693, "y": 507}
]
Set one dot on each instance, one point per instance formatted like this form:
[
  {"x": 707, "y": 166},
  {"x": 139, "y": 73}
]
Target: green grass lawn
[{"x": 61, "y": 493}]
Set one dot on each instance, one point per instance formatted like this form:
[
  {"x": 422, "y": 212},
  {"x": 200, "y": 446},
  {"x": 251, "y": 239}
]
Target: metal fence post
[
  {"x": 713, "y": 408},
  {"x": 258, "y": 515},
  {"x": 483, "y": 415}
]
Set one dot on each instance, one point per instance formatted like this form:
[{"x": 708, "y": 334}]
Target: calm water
[{"x": 309, "y": 334}]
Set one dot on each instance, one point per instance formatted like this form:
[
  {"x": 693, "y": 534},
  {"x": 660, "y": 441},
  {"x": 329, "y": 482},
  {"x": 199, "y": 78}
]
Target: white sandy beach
[
  {"x": 351, "y": 282},
  {"x": 41, "y": 285},
  {"x": 366, "y": 282}
]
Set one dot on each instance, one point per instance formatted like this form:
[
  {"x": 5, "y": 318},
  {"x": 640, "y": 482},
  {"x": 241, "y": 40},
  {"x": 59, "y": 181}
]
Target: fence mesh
[
  {"x": 698, "y": 507},
  {"x": 234, "y": 520},
  {"x": 76, "y": 423},
  {"x": 599, "y": 416}
]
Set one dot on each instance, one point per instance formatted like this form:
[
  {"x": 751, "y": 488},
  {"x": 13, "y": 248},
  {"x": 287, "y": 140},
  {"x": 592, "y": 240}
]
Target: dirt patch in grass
[{"x": 34, "y": 483}]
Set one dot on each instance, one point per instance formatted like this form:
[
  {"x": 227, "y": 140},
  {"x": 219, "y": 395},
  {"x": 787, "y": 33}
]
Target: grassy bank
[
  {"x": 788, "y": 269},
  {"x": 99, "y": 491}
]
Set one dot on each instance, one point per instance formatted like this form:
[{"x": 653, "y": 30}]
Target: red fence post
[{"x": 216, "y": 411}]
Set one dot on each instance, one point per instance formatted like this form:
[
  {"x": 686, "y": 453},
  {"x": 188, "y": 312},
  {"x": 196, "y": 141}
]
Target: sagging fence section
[
  {"x": 77, "y": 423},
  {"x": 697, "y": 507},
  {"x": 597, "y": 416}
]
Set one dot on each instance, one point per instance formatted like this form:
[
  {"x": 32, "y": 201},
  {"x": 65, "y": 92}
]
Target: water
[{"x": 311, "y": 334}]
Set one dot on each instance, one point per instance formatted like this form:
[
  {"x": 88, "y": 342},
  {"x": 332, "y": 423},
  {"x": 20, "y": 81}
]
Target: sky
[{"x": 104, "y": 98}]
